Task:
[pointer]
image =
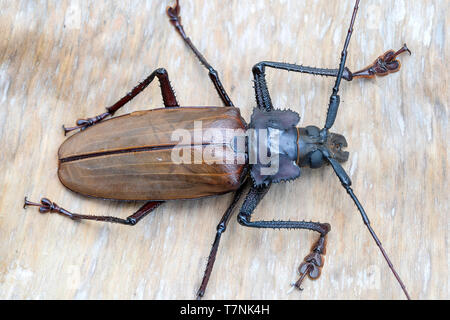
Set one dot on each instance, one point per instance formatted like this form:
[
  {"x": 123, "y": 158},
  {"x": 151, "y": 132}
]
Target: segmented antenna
[
  {"x": 338, "y": 170},
  {"x": 334, "y": 98}
]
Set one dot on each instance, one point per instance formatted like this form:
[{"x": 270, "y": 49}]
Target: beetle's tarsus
[
  {"x": 47, "y": 205},
  {"x": 299, "y": 281},
  {"x": 25, "y": 203},
  {"x": 312, "y": 264},
  {"x": 29, "y": 203},
  {"x": 383, "y": 65}
]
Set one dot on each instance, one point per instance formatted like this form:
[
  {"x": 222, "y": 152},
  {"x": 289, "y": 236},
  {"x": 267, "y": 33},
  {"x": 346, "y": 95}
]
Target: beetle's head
[{"x": 311, "y": 143}]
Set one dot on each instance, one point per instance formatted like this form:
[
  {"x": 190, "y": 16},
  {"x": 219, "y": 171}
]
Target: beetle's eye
[{"x": 316, "y": 159}]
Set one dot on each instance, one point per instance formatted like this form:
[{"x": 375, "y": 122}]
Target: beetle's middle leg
[
  {"x": 168, "y": 95},
  {"x": 313, "y": 262},
  {"x": 48, "y": 206},
  {"x": 175, "y": 19}
]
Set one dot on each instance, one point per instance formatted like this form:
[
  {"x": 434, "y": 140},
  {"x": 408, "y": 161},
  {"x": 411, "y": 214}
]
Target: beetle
[{"x": 131, "y": 157}]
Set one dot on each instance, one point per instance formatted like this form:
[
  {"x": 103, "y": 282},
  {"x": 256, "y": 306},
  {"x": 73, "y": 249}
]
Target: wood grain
[{"x": 64, "y": 60}]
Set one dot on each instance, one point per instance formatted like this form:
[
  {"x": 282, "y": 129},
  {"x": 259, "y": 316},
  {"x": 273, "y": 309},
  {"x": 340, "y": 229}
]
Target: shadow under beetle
[{"x": 129, "y": 157}]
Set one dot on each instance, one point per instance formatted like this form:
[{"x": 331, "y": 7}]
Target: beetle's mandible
[{"x": 131, "y": 157}]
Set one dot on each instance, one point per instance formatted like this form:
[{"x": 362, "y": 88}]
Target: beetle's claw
[
  {"x": 25, "y": 203},
  {"x": 29, "y": 203},
  {"x": 66, "y": 130},
  {"x": 302, "y": 275},
  {"x": 405, "y": 48},
  {"x": 174, "y": 14}
]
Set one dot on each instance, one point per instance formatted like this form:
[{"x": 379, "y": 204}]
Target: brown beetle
[{"x": 131, "y": 157}]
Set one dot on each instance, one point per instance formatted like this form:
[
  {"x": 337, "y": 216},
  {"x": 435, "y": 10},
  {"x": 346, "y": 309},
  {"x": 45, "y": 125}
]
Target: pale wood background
[{"x": 63, "y": 60}]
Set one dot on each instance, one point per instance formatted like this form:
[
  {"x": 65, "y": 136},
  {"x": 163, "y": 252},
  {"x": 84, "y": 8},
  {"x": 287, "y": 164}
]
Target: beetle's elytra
[
  {"x": 126, "y": 158},
  {"x": 131, "y": 157}
]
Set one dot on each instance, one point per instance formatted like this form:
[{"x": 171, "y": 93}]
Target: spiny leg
[
  {"x": 48, "y": 206},
  {"x": 167, "y": 91},
  {"x": 262, "y": 94},
  {"x": 221, "y": 227},
  {"x": 175, "y": 20},
  {"x": 383, "y": 65},
  {"x": 313, "y": 262},
  {"x": 263, "y": 100}
]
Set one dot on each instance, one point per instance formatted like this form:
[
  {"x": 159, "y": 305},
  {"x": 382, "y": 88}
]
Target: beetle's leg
[
  {"x": 175, "y": 20},
  {"x": 262, "y": 94},
  {"x": 167, "y": 91},
  {"x": 303, "y": 69},
  {"x": 313, "y": 262},
  {"x": 221, "y": 227},
  {"x": 383, "y": 65},
  {"x": 48, "y": 206}
]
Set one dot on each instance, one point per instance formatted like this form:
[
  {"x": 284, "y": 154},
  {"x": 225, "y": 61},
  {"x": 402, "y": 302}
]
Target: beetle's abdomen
[{"x": 131, "y": 157}]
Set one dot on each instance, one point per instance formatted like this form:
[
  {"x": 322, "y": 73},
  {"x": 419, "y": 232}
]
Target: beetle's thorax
[{"x": 277, "y": 148}]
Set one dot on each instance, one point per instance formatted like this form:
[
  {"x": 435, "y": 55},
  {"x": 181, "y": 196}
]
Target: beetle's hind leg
[
  {"x": 47, "y": 205},
  {"x": 168, "y": 95}
]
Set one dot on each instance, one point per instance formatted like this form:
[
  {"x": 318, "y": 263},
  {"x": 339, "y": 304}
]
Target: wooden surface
[{"x": 64, "y": 60}]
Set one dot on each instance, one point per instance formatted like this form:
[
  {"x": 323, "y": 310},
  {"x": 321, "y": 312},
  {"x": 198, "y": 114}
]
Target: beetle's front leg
[
  {"x": 313, "y": 262},
  {"x": 383, "y": 65},
  {"x": 168, "y": 95}
]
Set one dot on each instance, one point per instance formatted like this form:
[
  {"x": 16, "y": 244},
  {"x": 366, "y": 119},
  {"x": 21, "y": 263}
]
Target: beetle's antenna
[
  {"x": 340, "y": 172},
  {"x": 346, "y": 183},
  {"x": 334, "y": 98}
]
